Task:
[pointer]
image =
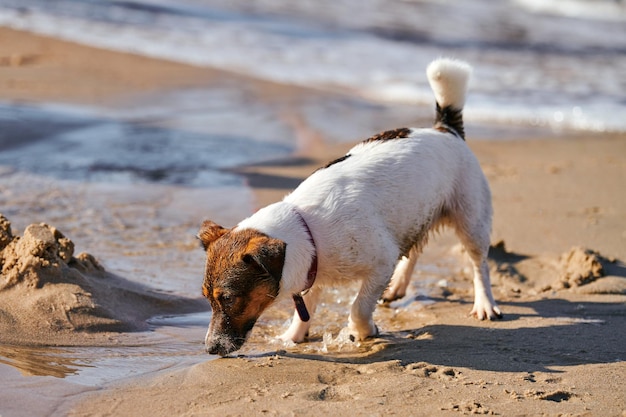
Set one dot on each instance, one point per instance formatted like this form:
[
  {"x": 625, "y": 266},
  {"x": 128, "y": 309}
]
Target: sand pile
[
  {"x": 586, "y": 271},
  {"x": 580, "y": 266},
  {"x": 43, "y": 254},
  {"x": 48, "y": 294},
  {"x": 579, "y": 270}
]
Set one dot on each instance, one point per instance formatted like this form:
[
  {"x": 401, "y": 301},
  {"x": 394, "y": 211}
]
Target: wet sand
[{"x": 558, "y": 351}]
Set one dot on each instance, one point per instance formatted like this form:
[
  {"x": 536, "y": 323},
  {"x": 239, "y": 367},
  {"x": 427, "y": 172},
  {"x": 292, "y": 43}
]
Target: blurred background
[{"x": 556, "y": 65}]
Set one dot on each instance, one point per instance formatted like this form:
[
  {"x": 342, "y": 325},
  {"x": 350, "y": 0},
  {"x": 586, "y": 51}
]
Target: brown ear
[
  {"x": 209, "y": 232},
  {"x": 268, "y": 253}
]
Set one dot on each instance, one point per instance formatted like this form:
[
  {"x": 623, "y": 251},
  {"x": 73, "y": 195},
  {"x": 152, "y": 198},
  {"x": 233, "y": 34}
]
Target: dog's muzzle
[
  {"x": 221, "y": 341},
  {"x": 222, "y": 344}
]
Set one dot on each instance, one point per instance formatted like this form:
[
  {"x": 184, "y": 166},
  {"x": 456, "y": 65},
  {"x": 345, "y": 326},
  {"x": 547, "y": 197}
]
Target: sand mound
[
  {"x": 580, "y": 266},
  {"x": 43, "y": 254},
  {"x": 580, "y": 270},
  {"x": 586, "y": 271},
  {"x": 50, "y": 296}
]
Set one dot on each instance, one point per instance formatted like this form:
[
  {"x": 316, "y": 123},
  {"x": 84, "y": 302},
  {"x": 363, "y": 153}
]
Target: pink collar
[{"x": 311, "y": 275}]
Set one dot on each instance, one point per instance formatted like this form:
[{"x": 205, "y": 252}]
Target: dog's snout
[
  {"x": 213, "y": 346},
  {"x": 222, "y": 344},
  {"x": 214, "y": 349}
]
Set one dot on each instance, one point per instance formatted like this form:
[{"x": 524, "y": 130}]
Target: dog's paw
[
  {"x": 295, "y": 335},
  {"x": 390, "y": 295},
  {"x": 486, "y": 311},
  {"x": 356, "y": 336},
  {"x": 297, "y": 332}
]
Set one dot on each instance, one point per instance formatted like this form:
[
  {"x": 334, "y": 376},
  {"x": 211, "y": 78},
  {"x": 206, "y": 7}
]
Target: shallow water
[{"x": 51, "y": 377}]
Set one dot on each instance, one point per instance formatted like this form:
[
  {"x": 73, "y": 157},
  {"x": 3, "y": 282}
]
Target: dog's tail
[{"x": 448, "y": 78}]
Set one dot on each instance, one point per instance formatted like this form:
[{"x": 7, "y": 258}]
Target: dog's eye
[{"x": 226, "y": 299}]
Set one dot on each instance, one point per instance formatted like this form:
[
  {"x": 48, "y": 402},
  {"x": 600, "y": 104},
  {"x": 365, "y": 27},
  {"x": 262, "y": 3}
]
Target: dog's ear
[
  {"x": 209, "y": 232},
  {"x": 268, "y": 253}
]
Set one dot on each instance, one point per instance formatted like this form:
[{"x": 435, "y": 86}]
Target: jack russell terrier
[{"x": 365, "y": 216}]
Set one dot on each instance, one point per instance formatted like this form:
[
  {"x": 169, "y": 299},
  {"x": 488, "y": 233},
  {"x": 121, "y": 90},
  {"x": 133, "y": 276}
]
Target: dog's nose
[
  {"x": 217, "y": 348},
  {"x": 222, "y": 345},
  {"x": 213, "y": 349}
]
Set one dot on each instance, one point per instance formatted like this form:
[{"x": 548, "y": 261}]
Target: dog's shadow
[
  {"x": 574, "y": 334},
  {"x": 536, "y": 335}
]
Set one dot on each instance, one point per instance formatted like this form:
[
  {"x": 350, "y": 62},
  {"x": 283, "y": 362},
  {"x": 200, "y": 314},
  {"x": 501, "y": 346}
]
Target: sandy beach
[{"x": 559, "y": 243}]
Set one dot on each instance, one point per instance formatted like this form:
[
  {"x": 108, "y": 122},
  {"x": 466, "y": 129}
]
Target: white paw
[
  {"x": 357, "y": 333},
  {"x": 295, "y": 336},
  {"x": 486, "y": 310},
  {"x": 392, "y": 294}
]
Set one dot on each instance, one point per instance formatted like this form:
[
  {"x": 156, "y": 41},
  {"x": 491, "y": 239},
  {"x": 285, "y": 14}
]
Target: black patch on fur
[
  {"x": 399, "y": 133},
  {"x": 450, "y": 119},
  {"x": 336, "y": 161}
]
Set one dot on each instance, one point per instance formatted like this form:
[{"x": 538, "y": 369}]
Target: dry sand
[{"x": 560, "y": 350}]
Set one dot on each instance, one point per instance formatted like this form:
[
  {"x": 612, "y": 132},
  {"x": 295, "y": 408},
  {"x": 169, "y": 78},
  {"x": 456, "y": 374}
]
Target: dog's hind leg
[
  {"x": 401, "y": 277},
  {"x": 484, "y": 304},
  {"x": 298, "y": 330},
  {"x": 473, "y": 225}
]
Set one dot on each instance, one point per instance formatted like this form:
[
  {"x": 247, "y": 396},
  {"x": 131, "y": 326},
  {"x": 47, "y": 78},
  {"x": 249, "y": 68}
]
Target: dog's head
[{"x": 241, "y": 279}]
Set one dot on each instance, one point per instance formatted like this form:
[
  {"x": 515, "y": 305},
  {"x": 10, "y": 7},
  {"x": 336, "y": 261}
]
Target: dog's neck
[
  {"x": 285, "y": 222},
  {"x": 311, "y": 275}
]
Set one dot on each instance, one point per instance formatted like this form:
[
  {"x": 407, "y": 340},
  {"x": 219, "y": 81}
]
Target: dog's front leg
[
  {"x": 360, "y": 323},
  {"x": 299, "y": 330}
]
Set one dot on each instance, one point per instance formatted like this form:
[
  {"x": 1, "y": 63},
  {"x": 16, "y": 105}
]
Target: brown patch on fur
[
  {"x": 205, "y": 292},
  {"x": 450, "y": 120},
  {"x": 242, "y": 278},
  {"x": 255, "y": 244},
  {"x": 239, "y": 257},
  {"x": 252, "y": 306},
  {"x": 209, "y": 232},
  {"x": 400, "y": 133}
]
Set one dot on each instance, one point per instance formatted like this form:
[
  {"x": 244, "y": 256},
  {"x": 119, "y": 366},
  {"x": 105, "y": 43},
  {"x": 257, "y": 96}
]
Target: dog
[{"x": 364, "y": 216}]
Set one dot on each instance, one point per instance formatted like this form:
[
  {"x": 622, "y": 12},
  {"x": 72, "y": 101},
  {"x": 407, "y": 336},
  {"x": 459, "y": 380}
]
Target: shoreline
[{"x": 546, "y": 357}]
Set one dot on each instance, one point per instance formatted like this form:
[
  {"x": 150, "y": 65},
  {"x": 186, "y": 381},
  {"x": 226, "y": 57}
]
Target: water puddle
[
  {"x": 173, "y": 342},
  {"x": 41, "y": 361}
]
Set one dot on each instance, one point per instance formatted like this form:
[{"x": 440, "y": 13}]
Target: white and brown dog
[{"x": 365, "y": 216}]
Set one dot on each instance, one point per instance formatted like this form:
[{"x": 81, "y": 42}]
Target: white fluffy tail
[{"x": 448, "y": 78}]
